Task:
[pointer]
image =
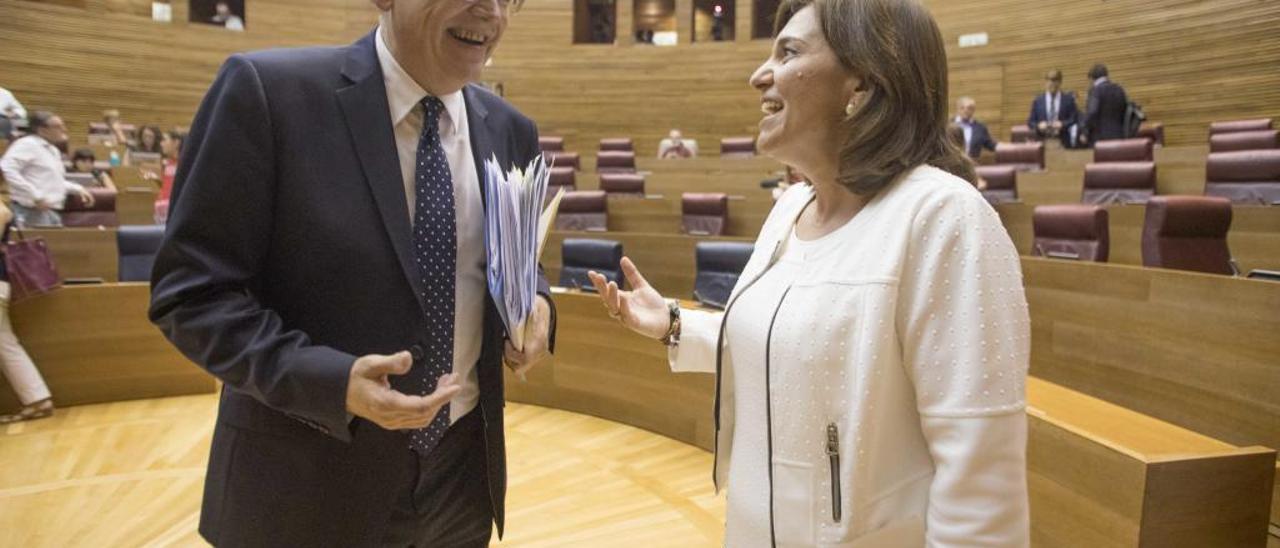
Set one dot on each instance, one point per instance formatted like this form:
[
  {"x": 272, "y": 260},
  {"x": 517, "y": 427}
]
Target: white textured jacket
[{"x": 904, "y": 424}]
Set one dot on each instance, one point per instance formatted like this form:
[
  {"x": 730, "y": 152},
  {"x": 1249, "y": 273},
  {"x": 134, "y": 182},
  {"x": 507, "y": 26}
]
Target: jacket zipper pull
[{"x": 833, "y": 453}]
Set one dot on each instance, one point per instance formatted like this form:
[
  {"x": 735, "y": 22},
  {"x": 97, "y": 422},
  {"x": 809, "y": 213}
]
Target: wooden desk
[
  {"x": 94, "y": 344},
  {"x": 1254, "y": 238},
  {"x": 1099, "y": 475},
  {"x": 1102, "y": 475},
  {"x": 1066, "y": 186},
  {"x": 667, "y": 260},
  {"x": 663, "y": 214},
  {"x": 82, "y": 252}
]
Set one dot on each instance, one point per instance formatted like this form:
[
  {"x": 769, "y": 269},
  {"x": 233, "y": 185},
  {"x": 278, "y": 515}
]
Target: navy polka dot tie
[{"x": 435, "y": 241}]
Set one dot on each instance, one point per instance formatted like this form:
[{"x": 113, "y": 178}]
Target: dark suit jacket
[
  {"x": 1068, "y": 114},
  {"x": 980, "y": 139},
  {"x": 1104, "y": 118},
  {"x": 287, "y": 255}
]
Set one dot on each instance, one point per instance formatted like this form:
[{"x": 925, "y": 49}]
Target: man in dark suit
[
  {"x": 1054, "y": 113},
  {"x": 324, "y": 258},
  {"x": 1104, "y": 116},
  {"x": 976, "y": 136}
]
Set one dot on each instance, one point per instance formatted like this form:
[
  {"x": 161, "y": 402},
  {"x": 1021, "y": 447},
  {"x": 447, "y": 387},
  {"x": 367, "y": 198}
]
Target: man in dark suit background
[
  {"x": 324, "y": 258},
  {"x": 1054, "y": 113},
  {"x": 1104, "y": 116},
  {"x": 976, "y": 136}
]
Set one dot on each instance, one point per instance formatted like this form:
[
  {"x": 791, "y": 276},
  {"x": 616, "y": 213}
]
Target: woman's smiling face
[{"x": 804, "y": 91}]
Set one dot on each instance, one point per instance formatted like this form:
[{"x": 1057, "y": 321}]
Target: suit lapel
[
  {"x": 364, "y": 105},
  {"x": 480, "y": 133}
]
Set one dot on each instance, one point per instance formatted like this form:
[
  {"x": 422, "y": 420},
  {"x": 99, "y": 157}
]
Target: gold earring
[{"x": 848, "y": 109}]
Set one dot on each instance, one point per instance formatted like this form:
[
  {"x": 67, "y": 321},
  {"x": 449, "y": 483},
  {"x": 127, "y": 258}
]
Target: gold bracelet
[{"x": 672, "y": 338}]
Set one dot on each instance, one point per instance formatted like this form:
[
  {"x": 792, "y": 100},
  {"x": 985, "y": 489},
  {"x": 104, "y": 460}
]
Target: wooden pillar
[
  {"x": 684, "y": 22},
  {"x": 744, "y": 11},
  {"x": 625, "y": 30}
]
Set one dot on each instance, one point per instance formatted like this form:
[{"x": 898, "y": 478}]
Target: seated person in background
[
  {"x": 111, "y": 117},
  {"x": 11, "y": 109},
  {"x": 12, "y": 116},
  {"x": 1054, "y": 113},
  {"x": 16, "y": 364},
  {"x": 1104, "y": 116},
  {"x": 148, "y": 140},
  {"x": 82, "y": 162},
  {"x": 224, "y": 17},
  {"x": 676, "y": 146},
  {"x": 37, "y": 177},
  {"x": 976, "y": 136}
]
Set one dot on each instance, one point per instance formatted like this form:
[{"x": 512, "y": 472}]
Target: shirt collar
[
  {"x": 1101, "y": 80},
  {"x": 403, "y": 93}
]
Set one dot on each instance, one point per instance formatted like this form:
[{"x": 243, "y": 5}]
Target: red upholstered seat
[
  {"x": 583, "y": 210},
  {"x": 1119, "y": 182},
  {"x": 704, "y": 214},
  {"x": 616, "y": 161},
  {"x": 1261, "y": 139},
  {"x": 1231, "y": 126},
  {"x": 101, "y": 213},
  {"x": 1244, "y": 177},
  {"x": 564, "y": 159},
  {"x": 1153, "y": 131},
  {"x": 1071, "y": 231},
  {"x": 1023, "y": 156},
  {"x": 1022, "y": 134},
  {"x": 737, "y": 147},
  {"x": 622, "y": 184},
  {"x": 617, "y": 143},
  {"x": 1002, "y": 183},
  {"x": 551, "y": 144},
  {"x": 562, "y": 177},
  {"x": 1140, "y": 149},
  {"x": 1187, "y": 233}
]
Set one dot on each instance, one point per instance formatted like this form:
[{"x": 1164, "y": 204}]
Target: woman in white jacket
[{"x": 872, "y": 359}]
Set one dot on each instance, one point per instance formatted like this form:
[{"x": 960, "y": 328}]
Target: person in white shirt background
[
  {"x": 34, "y": 168},
  {"x": 224, "y": 17},
  {"x": 871, "y": 362},
  {"x": 12, "y": 114}
]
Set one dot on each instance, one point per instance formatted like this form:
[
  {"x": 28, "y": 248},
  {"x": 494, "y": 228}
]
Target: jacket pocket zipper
[{"x": 833, "y": 454}]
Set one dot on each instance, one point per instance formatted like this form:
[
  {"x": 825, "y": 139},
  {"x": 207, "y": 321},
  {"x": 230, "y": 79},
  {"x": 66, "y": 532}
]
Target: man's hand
[
  {"x": 1057, "y": 124},
  {"x": 1042, "y": 126},
  {"x": 86, "y": 197},
  {"x": 42, "y": 204},
  {"x": 370, "y": 396},
  {"x": 536, "y": 336}
]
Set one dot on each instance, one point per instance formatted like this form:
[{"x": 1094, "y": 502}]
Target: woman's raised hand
[{"x": 642, "y": 309}]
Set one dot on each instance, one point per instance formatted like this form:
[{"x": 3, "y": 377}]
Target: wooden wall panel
[{"x": 1188, "y": 62}]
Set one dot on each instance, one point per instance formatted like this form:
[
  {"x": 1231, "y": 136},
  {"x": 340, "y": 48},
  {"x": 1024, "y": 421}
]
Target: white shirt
[
  {"x": 906, "y": 336},
  {"x": 34, "y": 169},
  {"x": 1052, "y": 103},
  {"x": 8, "y": 101},
  {"x": 403, "y": 96},
  {"x": 967, "y": 127}
]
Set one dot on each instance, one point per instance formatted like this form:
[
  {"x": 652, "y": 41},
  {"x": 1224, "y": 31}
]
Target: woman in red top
[{"x": 170, "y": 145}]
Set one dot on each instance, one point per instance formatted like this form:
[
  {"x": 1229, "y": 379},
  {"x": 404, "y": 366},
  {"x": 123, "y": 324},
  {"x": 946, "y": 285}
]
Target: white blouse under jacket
[{"x": 914, "y": 347}]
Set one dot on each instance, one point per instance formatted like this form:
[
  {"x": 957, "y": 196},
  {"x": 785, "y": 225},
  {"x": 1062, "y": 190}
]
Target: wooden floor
[{"x": 131, "y": 473}]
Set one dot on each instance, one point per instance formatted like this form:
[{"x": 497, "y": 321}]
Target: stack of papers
[{"x": 514, "y": 235}]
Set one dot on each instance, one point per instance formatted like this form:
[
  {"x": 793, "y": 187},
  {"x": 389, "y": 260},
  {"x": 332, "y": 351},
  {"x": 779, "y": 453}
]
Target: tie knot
[{"x": 431, "y": 109}]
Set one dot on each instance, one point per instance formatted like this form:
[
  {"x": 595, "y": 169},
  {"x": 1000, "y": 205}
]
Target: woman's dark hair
[
  {"x": 82, "y": 154},
  {"x": 142, "y": 147},
  {"x": 896, "y": 49},
  {"x": 1098, "y": 71}
]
